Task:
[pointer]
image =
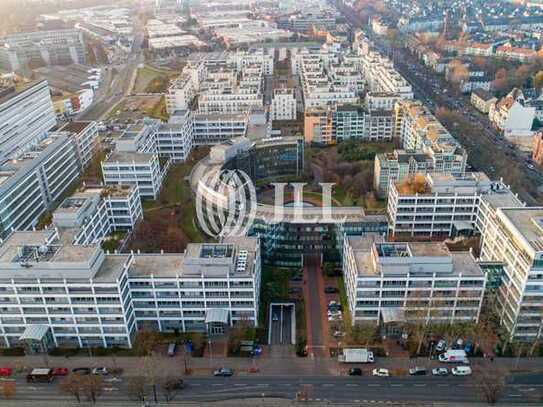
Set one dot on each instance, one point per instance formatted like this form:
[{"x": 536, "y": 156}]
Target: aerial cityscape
[{"x": 271, "y": 202}]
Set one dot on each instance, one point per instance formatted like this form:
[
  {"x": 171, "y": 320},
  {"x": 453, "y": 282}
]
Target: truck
[
  {"x": 40, "y": 375},
  {"x": 454, "y": 356},
  {"x": 356, "y": 355}
]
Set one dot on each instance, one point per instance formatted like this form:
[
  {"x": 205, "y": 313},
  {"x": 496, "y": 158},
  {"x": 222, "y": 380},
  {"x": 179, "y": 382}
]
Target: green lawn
[{"x": 152, "y": 80}]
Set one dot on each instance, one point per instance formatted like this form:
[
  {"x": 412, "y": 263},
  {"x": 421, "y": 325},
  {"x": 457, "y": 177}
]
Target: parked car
[
  {"x": 417, "y": 371},
  {"x": 297, "y": 277},
  {"x": 440, "y": 371},
  {"x": 5, "y": 371},
  {"x": 441, "y": 345},
  {"x": 461, "y": 371},
  {"x": 295, "y": 290},
  {"x": 275, "y": 317},
  {"x": 381, "y": 372},
  {"x": 60, "y": 371},
  {"x": 223, "y": 372},
  {"x": 339, "y": 334},
  {"x": 355, "y": 371},
  {"x": 171, "y": 349},
  {"x": 82, "y": 371},
  {"x": 102, "y": 371},
  {"x": 330, "y": 290}
]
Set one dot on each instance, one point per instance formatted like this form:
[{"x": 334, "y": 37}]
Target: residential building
[
  {"x": 283, "y": 104},
  {"x": 33, "y": 49},
  {"x": 94, "y": 299},
  {"x": 210, "y": 129},
  {"x": 395, "y": 283},
  {"x": 482, "y": 100},
  {"x": 174, "y": 139},
  {"x": 140, "y": 169},
  {"x": 537, "y": 151},
  {"x": 17, "y": 132}
]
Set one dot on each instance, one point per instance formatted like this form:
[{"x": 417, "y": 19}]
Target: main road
[
  {"x": 521, "y": 389},
  {"x": 117, "y": 84}
]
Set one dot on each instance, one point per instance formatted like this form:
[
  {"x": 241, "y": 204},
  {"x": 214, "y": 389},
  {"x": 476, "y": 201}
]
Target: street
[{"x": 522, "y": 389}]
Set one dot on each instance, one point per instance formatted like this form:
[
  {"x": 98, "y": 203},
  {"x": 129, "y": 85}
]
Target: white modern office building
[
  {"x": 94, "y": 213},
  {"x": 439, "y": 205},
  {"x": 85, "y": 135},
  {"x": 283, "y": 104},
  {"x": 81, "y": 296},
  {"x": 26, "y": 115},
  {"x": 32, "y": 182},
  {"x": 513, "y": 235},
  {"x": 140, "y": 169},
  {"x": 401, "y": 282}
]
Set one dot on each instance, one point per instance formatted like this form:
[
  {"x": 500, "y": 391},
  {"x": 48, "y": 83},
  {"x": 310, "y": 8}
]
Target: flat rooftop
[
  {"x": 128, "y": 157},
  {"x": 528, "y": 222}
]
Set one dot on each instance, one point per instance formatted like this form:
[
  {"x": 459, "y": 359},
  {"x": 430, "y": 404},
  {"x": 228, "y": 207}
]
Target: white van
[
  {"x": 454, "y": 356},
  {"x": 461, "y": 371}
]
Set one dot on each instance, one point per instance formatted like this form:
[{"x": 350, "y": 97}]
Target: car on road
[
  {"x": 330, "y": 290},
  {"x": 83, "y": 371},
  {"x": 223, "y": 372},
  {"x": 461, "y": 371},
  {"x": 417, "y": 371},
  {"x": 381, "y": 372},
  {"x": 440, "y": 371},
  {"x": 355, "y": 371},
  {"x": 60, "y": 371},
  {"x": 102, "y": 371},
  {"x": 5, "y": 371}
]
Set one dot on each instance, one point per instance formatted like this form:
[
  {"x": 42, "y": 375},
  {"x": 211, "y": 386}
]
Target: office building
[
  {"x": 31, "y": 183},
  {"x": 83, "y": 297},
  {"x": 439, "y": 205},
  {"x": 140, "y": 169},
  {"x": 391, "y": 284},
  {"x": 17, "y": 106},
  {"x": 34, "y": 49}
]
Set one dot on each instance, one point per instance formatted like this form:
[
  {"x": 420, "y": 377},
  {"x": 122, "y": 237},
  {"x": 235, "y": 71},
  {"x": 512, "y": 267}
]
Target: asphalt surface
[
  {"x": 522, "y": 389},
  {"x": 117, "y": 85},
  {"x": 282, "y": 328}
]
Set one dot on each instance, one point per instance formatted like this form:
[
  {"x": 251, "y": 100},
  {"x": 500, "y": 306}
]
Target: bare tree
[
  {"x": 72, "y": 385},
  {"x": 92, "y": 386},
  {"x": 8, "y": 389},
  {"x": 490, "y": 383},
  {"x": 150, "y": 369},
  {"x": 170, "y": 385},
  {"x": 136, "y": 388}
]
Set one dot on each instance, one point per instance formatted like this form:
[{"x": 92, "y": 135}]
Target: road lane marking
[
  {"x": 352, "y": 385},
  {"x": 285, "y": 384},
  {"x": 374, "y": 385},
  {"x": 327, "y": 384},
  {"x": 420, "y": 385},
  {"x": 217, "y": 384},
  {"x": 396, "y": 385}
]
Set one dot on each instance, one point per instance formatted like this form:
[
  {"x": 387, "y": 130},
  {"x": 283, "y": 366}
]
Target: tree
[
  {"x": 136, "y": 388},
  {"x": 145, "y": 341},
  {"x": 72, "y": 385},
  {"x": 8, "y": 389},
  {"x": 490, "y": 383},
  {"x": 362, "y": 334},
  {"x": 538, "y": 80},
  {"x": 169, "y": 385},
  {"x": 501, "y": 81},
  {"x": 150, "y": 369},
  {"x": 92, "y": 387}
]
